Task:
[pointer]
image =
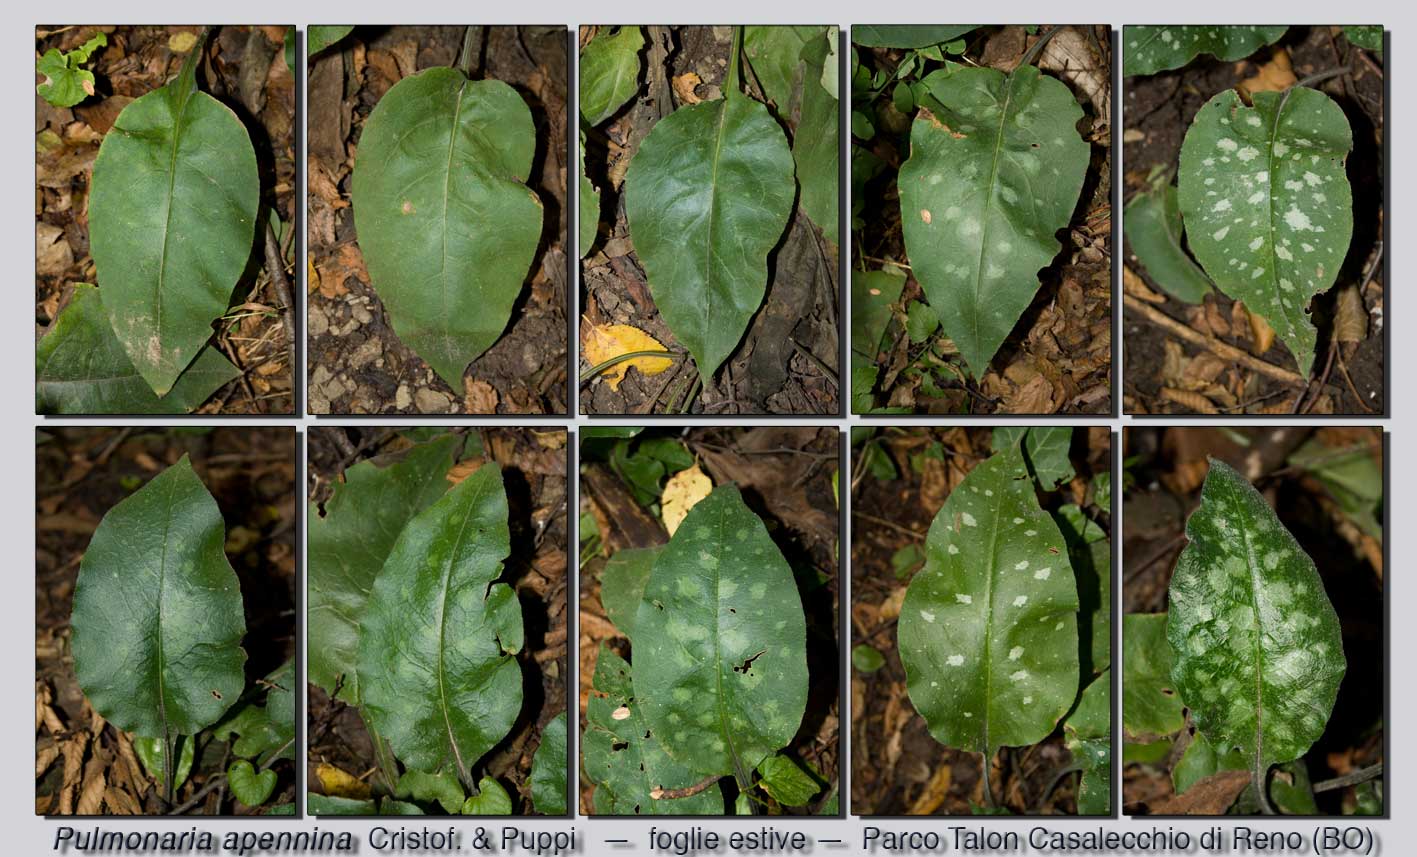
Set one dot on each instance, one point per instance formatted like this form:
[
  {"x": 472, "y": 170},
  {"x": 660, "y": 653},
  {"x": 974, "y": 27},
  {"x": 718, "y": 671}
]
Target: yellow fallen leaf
[
  {"x": 684, "y": 86},
  {"x": 604, "y": 342},
  {"x": 338, "y": 783},
  {"x": 181, "y": 43},
  {"x": 681, "y": 492}
]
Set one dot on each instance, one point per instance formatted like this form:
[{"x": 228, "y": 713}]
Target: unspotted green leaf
[
  {"x": 1152, "y": 221},
  {"x": 249, "y": 786},
  {"x": 610, "y": 72},
  {"x": 446, "y": 224},
  {"x": 548, "y": 769}
]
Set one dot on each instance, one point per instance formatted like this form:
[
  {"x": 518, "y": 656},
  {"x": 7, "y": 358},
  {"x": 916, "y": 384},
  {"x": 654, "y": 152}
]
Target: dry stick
[
  {"x": 275, "y": 269},
  {"x": 687, "y": 791},
  {"x": 1215, "y": 346},
  {"x": 1362, "y": 775}
]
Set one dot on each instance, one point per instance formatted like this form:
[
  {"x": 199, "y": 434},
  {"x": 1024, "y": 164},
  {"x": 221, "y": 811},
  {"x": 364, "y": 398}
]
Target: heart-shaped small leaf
[
  {"x": 491, "y": 799},
  {"x": 250, "y": 787}
]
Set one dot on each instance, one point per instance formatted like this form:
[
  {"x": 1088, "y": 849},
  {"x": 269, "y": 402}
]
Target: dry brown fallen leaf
[
  {"x": 684, "y": 86},
  {"x": 1210, "y": 796},
  {"x": 1276, "y": 75},
  {"x": 1186, "y": 398},
  {"x": 1261, "y": 334},
  {"x": 1350, "y": 320},
  {"x": 479, "y": 397},
  {"x": 463, "y": 469},
  {"x": 1133, "y": 285}
]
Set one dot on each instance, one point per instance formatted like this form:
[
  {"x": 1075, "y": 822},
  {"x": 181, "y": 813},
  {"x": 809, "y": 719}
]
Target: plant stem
[
  {"x": 1362, "y": 775},
  {"x": 465, "y": 55},
  {"x": 383, "y": 755},
  {"x": 733, "y": 82},
  {"x": 1037, "y": 47},
  {"x": 621, "y": 358},
  {"x": 988, "y": 785},
  {"x": 169, "y": 746}
]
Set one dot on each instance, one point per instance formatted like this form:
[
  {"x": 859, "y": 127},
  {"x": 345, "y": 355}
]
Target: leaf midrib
[
  {"x": 167, "y": 214},
  {"x": 989, "y": 630},
  {"x": 1256, "y": 584},
  {"x": 984, "y": 215},
  {"x": 1273, "y": 179},
  {"x": 448, "y": 343},
  {"x": 712, "y": 213},
  {"x": 443, "y": 705},
  {"x": 718, "y": 658},
  {"x": 161, "y": 599}
]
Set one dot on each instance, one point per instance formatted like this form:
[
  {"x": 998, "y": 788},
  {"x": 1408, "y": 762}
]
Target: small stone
[
  {"x": 317, "y": 321},
  {"x": 366, "y": 354},
  {"x": 432, "y": 401},
  {"x": 402, "y": 398}
]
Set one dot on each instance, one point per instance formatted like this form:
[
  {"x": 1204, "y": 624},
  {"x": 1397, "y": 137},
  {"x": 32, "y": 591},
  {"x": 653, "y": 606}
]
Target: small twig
[
  {"x": 1170, "y": 546},
  {"x": 1362, "y": 775},
  {"x": 816, "y": 361},
  {"x": 658, "y": 793},
  {"x": 884, "y": 523},
  {"x": 1037, "y": 47},
  {"x": 1211, "y": 344}
]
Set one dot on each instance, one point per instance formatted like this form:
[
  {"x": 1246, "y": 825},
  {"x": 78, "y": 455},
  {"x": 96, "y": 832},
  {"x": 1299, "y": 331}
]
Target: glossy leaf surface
[
  {"x": 548, "y": 769},
  {"x": 988, "y": 630},
  {"x": 447, "y": 226},
  {"x": 80, "y": 367},
  {"x": 707, "y": 197},
  {"x": 1266, "y": 202},
  {"x": 442, "y": 788},
  {"x": 1152, "y": 221},
  {"x": 610, "y": 72},
  {"x": 437, "y": 636},
  {"x": 172, "y": 220},
  {"x": 1258, "y": 655},
  {"x": 158, "y": 617},
  {"x": 1149, "y": 49},
  {"x": 991, "y": 178},
  {"x": 250, "y": 787},
  {"x": 1150, "y": 704},
  {"x": 624, "y": 757},
  {"x": 347, "y": 547},
  {"x": 720, "y": 647},
  {"x": 816, "y": 140},
  {"x": 491, "y": 799}
]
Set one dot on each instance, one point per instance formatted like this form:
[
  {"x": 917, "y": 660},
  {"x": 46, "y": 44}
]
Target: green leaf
[
  {"x": 815, "y": 140},
  {"x": 172, "y": 221},
  {"x": 1367, "y": 37},
  {"x": 786, "y": 781},
  {"x": 66, "y": 84},
  {"x": 622, "y": 585},
  {"x": 1258, "y": 655},
  {"x": 1150, "y": 705},
  {"x": 1152, "y": 221},
  {"x": 548, "y": 769},
  {"x": 1048, "y": 448},
  {"x": 1150, "y": 753},
  {"x": 158, "y": 617},
  {"x": 908, "y": 36},
  {"x": 80, "y": 367},
  {"x": 150, "y": 752},
  {"x": 595, "y": 432},
  {"x": 1352, "y": 477},
  {"x": 707, "y": 197},
  {"x": 446, "y": 223},
  {"x": 992, "y": 176},
  {"x": 872, "y": 293},
  {"x": 389, "y": 806},
  {"x": 437, "y": 637},
  {"x": 610, "y": 72},
  {"x": 625, "y": 759},
  {"x": 589, "y": 203},
  {"x": 1149, "y": 49},
  {"x": 1267, "y": 204},
  {"x": 250, "y": 787},
  {"x": 720, "y": 648},
  {"x": 863, "y": 380},
  {"x": 907, "y": 560},
  {"x": 1199, "y": 760},
  {"x": 921, "y": 322},
  {"x": 1088, "y": 736},
  {"x": 867, "y": 659},
  {"x": 988, "y": 630},
  {"x": 348, "y": 544},
  {"x": 775, "y": 54},
  {"x": 491, "y": 799},
  {"x": 442, "y": 787},
  {"x": 320, "y": 38},
  {"x": 318, "y": 804}
]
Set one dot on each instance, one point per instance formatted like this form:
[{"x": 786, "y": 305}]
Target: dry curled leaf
[
  {"x": 683, "y": 490},
  {"x": 1194, "y": 401},
  {"x": 336, "y": 782},
  {"x": 1261, "y": 334},
  {"x": 1350, "y": 319},
  {"x": 606, "y": 342},
  {"x": 684, "y": 86}
]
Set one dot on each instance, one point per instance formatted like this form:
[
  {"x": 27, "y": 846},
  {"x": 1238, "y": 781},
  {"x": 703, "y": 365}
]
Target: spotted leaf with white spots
[
  {"x": 988, "y": 630},
  {"x": 438, "y": 638},
  {"x": 1149, "y": 49},
  {"x": 720, "y": 647},
  {"x": 995, "y": 169},
  {"x": 622, "y": 755},
  {"x": 1266, "y": 203},
  {"x": 1258, "y": 655}
]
